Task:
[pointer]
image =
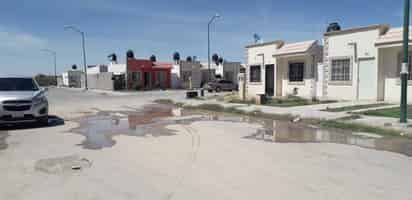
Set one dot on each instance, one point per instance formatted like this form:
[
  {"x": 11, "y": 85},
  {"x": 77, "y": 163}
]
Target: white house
[
  {"x": 73, "y": 78},
  {"x": 186, "y": 74},
  {"x": 350, "y": 64},
  {"x": 257, "y": 56},
  {"x": 389, "y": 48},
  {"x": 279, "y": 69}
]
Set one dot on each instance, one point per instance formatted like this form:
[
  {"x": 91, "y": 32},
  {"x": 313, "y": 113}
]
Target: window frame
[
  {"x": 330, "y": 68},
  {"x": 258, "y": 78},
  {"x": 303, "y": 71}
]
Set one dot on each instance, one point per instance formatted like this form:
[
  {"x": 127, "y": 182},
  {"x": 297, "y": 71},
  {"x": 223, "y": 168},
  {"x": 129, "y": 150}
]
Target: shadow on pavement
[{"x": 53, "y": 121}]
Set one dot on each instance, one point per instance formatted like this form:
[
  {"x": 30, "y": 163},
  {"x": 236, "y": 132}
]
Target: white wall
[
  {"x": 337, "y": 46},
  {"x": 252, "y": 59},
  {"x": 306, "y": 88},
  {"x": 116, "y": 68}
]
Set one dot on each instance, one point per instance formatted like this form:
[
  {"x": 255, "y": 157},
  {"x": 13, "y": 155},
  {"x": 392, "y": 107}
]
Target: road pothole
[{"x": 60, "y": 165}]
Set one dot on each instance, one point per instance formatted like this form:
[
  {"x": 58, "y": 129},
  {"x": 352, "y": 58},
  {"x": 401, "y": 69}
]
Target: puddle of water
[
  {"x": 3, "y": 137},
  {"x": 152, "y": 120},
  {"x": 287, "y": 132},
  {"x": 100, "y": 129}
]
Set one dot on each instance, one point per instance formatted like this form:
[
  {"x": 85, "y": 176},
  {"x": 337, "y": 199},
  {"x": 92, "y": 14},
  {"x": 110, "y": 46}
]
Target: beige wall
[
  {"x": 337, "y": 46},
  {"x": 389, "y": 74}
]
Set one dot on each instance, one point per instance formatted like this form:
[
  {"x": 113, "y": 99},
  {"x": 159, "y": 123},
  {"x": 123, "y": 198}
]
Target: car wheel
[
  {"x": 43, "y": 121},
  {"x": 218, "y": 89}
]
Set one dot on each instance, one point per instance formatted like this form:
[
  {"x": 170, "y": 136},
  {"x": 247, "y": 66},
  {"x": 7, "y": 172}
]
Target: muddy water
[
  {"x": 153, "y": 119},
  {"x": 100, "y": 129}
]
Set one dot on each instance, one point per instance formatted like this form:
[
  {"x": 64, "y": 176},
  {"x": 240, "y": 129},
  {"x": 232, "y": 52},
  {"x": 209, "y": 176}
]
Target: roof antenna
[{"x": 257, "y": 39}]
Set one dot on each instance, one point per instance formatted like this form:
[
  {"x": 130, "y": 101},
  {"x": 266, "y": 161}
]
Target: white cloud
[{"x": 16, "y": 42}]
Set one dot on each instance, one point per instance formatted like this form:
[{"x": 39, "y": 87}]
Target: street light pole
[
  {"x": 54, "y": 53},
  {"x": 84, "y": 51},
  {"x": 208, "y": 43},
  {"x": 405, "y": 65}
]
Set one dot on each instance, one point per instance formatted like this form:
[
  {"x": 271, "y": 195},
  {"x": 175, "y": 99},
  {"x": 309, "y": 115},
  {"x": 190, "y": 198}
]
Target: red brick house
[{"x": 145, "y": 75}]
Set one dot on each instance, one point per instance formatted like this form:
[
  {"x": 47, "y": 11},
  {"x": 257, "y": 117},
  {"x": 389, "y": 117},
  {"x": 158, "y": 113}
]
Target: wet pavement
[
  {"x": 3, "y": 137},
  {"x": 152, "y": 120}
]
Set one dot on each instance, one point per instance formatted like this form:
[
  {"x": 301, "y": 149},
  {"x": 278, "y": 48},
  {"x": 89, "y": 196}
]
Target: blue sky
[{"x": 161, "y": 27}]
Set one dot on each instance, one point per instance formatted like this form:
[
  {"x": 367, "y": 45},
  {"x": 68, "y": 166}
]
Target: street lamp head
[
  {"x": 217, "y": 15},
  {"x": 71, "y": 27}
]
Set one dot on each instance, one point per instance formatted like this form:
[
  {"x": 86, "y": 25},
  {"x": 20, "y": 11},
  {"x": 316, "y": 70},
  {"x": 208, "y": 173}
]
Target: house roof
[
  {"x": 278, "y": 42},
  {"x": 382, "y": 28},
  {"x": 296, "y": 48},
  {"x": 393, "y": 36}
]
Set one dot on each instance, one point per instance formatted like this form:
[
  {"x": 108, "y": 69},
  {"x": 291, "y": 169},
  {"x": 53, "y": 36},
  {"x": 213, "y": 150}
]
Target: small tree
[
  {"x": 215, "y": 58},
  {"x": 153, "y": 58},
  {"x": 189, "y": 59},
  {"x": 176, "y": 57}
]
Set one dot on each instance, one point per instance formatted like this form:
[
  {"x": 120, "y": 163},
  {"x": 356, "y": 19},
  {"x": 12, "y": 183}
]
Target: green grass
[
  {"x": 343, "y": 123},
  {"x": 164, "y": 101},
  {"x": 388, "y": 112},
  {"x": 356, "y": 107},
  {"x": 290, "y": 101},
  {"x": 354, "y": 127}
]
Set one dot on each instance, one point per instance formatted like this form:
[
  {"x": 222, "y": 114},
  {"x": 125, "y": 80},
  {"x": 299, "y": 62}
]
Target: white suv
[{"x": 22, "y": 100}]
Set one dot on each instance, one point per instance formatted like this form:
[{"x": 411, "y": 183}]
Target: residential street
[{"x": 118, "y": 146}]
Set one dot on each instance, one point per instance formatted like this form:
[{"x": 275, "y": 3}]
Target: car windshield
[{"x": 17, "y": 84}]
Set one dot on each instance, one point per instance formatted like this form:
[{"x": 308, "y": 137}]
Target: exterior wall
[
  {"x": 147, "y": 67},
  {"x": 304, "y": 89},
  {"x": 117, "y": 68},
  {"x": 232, "y": 68},
  {"x": 389, "y": 79},
  {"x": 97, "y": 69},
  {"x": 252, "y": 58},
  {"x": 337, "y": 46},
  {"x": 101, "y": 81}
]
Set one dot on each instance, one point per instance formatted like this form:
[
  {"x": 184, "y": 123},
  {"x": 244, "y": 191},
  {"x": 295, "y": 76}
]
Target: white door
[{"x": 368, "y": 79}]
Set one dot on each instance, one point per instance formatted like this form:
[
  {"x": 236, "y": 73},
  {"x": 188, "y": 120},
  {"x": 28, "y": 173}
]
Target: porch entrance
[
  {"x": 270, "y": 80},
  {"x": 368, "y": 79},
  {"x": 147, "y": 80}
]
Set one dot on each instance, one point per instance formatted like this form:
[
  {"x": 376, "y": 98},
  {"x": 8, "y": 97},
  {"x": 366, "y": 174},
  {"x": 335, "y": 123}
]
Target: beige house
[
  {"x": 389, "y": 47},
  {"x": 279, "y": 69}
]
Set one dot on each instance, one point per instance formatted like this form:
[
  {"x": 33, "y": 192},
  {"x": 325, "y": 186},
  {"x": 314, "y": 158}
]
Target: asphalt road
[{"x": 199, "y": 160}]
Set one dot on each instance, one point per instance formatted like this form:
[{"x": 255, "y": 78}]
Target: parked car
[
  {"x": 22, "y": 100},
  {"x": 220, "y": 85}
]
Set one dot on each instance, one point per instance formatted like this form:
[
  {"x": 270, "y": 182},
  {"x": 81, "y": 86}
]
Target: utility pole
[
  {"x": 208, "y": 43},
  {"x": 84, "y": 51},
  {"x": 405, "y": 65}
]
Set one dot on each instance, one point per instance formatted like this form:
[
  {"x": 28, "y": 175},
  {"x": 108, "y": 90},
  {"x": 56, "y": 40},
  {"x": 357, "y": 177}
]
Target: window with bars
[
  {"x": 340, "y": 70},
  {"x": 255, "y": 73},
  {"x": 296, "y": 72}
]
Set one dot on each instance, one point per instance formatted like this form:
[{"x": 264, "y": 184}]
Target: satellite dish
[{"x": 256, "y": 38}]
